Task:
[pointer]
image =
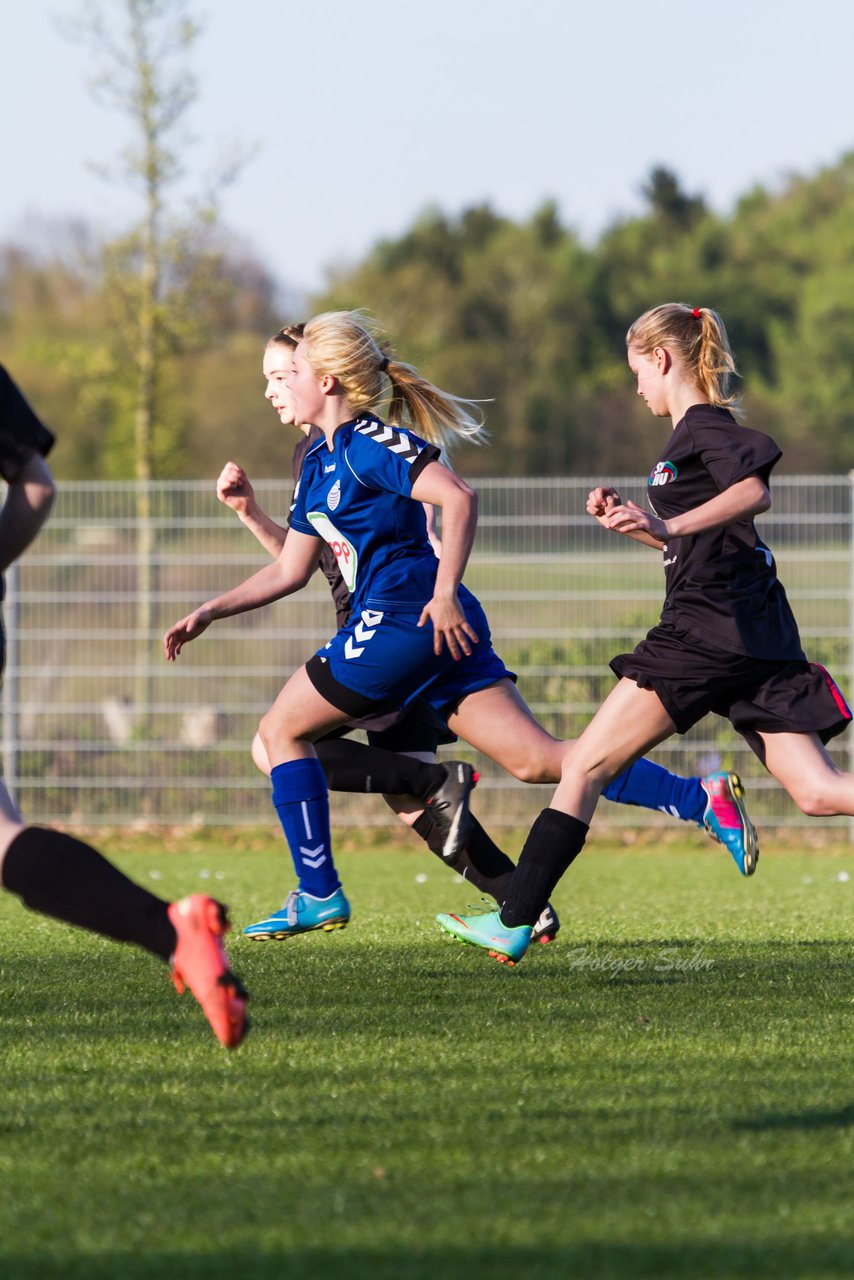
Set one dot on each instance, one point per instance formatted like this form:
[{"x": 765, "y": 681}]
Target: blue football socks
[
  {"x": 649, "y": 786},
  {"x": 302, "y": 803}
]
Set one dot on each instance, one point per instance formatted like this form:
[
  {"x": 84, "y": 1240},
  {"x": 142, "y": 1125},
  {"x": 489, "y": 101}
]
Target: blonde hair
[
  {"x": 346, "y": 344},
  {"x": 697, "y": 335}
]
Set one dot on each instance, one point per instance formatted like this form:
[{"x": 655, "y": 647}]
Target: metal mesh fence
[{"x": 99, "y": 729}]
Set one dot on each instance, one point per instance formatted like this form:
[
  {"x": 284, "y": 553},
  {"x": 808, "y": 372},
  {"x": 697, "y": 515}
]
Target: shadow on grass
[
  {"x": 792, "y": 1258},
  {"x": 814, "y": 1118},
  {"x": 356, "y": 986}
]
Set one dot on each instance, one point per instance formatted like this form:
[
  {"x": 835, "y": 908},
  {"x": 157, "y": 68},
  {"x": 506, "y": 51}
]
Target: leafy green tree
[
  {"x": 141, "y": 48},
  {"x": 668, "y": 203},
  {"x": 519, "y": 314}
]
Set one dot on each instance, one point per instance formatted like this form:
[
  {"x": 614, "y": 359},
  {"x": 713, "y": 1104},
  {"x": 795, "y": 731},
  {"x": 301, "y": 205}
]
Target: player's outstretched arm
[
  {"x": 234, "y": 488},
  {"x": 27, "y": 507},
  {"x": 286, "y": 575}
]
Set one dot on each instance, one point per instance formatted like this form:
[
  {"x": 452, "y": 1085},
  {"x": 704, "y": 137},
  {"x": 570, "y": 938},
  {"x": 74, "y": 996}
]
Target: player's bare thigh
[
  {"x": 801, "y": 763},
  {"x": 297, "y": 717},
  {"x": 628, "y": 724},
  {"x": 499, "y": 722}
]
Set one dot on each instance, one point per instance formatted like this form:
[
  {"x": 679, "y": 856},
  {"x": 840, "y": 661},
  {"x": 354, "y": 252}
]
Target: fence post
[{"x": 11, "y": 682}]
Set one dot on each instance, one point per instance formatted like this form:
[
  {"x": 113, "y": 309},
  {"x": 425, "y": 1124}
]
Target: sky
[{"x": 361, "y": 115}]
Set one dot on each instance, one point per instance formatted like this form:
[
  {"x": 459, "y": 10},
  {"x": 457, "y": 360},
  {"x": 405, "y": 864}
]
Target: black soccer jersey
[
  {"x": 721, "y": 584},
  {"x": 21, "y": 432}
]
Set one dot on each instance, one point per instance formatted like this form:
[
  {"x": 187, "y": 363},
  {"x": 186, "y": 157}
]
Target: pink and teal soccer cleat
[
  {"x": 302, "y": 913},
  {"x": 507, "y": 946},
  {"x": 727, "y": 822},
  {"x": 200, "y": 963}
]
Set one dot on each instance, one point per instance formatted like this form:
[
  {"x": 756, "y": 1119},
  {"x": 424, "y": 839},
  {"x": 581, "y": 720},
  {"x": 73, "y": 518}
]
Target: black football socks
[
  {"x": 357, "y": 766},
  {"x": 553, "y": 843},
  {"x": 481, "y": 862},
  {"x": 62, "y": 877}
]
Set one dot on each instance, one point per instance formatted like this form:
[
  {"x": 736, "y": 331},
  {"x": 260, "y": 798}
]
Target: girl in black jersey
[
  {"x": 727, "y": 640},
  {"x": 55, "y": 873}
]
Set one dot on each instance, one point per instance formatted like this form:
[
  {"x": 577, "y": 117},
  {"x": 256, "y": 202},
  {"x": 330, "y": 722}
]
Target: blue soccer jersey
[{"x": 357, "y": 497}]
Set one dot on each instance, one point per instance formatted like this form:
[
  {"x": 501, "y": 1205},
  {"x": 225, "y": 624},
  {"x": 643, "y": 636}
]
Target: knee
[
  {"x": 814, "y": 791},
  {"x": 594, "y": 772},
  {"x": 268, "y": 735},
  {"x": 531, "y": 770},
  {"x": 813, "y": 801},
  {"x": 259, "y": 755},
  {"x": 276, "y": 733}
]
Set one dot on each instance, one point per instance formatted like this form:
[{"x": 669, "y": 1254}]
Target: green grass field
[{"x": 664, "y": 1092}]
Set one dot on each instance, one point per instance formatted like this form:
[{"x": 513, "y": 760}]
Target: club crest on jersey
[
  {"x": 662, "y": 473},
  {"x": 333, "y": 497}
]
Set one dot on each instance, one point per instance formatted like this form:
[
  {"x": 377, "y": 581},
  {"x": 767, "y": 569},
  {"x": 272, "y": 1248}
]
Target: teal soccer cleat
[
  {"x": 302, "y": 913},
  {"x": 508, "y": 946},
  {"x": 727, "y": 822}
]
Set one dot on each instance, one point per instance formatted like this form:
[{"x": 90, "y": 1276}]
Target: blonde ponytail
[
  {"x": 346, "y": 345},
  {"x": 697, "y": 335}
]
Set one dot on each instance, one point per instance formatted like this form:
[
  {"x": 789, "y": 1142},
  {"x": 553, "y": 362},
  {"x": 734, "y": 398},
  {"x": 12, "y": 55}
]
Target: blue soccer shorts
[{"x": 385, "y": 660}]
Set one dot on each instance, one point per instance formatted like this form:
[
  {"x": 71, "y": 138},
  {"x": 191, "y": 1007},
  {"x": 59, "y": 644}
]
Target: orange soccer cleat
[{"x": 201, "y": 964}]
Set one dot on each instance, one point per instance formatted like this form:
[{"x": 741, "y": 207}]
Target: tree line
[{"x": 520, "y": 314}]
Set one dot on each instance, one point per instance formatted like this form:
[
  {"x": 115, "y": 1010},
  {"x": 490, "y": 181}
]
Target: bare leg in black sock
[
  {"x": 62, "y": 877},
  {"x": 481, "y": 862},
  {"x": 358, "y": 767},
  {"x": 554, "y": 842}
]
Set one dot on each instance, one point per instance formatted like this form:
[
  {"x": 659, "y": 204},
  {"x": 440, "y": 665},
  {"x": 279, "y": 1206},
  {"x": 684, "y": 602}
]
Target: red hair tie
[{"x": 696, "y": 313}]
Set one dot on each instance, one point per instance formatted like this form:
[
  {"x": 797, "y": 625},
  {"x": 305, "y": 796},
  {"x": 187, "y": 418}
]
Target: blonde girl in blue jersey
[{"x": 399, "y": 757}]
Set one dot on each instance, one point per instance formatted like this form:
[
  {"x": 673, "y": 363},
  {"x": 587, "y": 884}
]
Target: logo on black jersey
[
  {"x": 662, "y": 473},
  {"x": 391, "y": 438}
]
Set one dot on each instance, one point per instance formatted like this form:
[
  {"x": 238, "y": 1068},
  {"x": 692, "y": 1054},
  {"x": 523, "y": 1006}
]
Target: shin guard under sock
[
  {"x": 481, "y": 862},
  {"x": 357, "y": 766},
  {"x": 553, "y": 843},
  {"x": 64, "y": 878},
  {"x": 302, "y": 803},
  {"x": 649, "y": 786}
]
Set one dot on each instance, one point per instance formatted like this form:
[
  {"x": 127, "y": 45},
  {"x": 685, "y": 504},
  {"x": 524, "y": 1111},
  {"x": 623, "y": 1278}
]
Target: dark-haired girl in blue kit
[
  {"x": 415, "y": 630},
  {"x": 727, "y": 640}
]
